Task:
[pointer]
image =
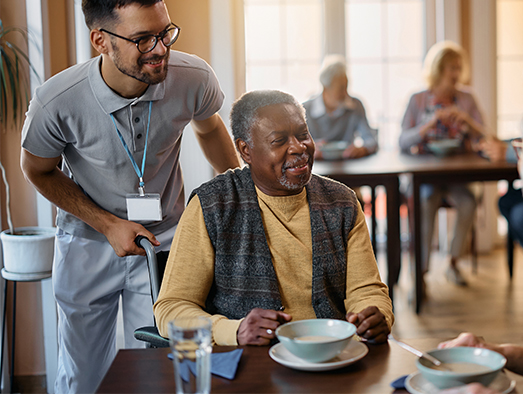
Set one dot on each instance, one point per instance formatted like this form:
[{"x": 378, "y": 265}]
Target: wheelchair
[{"x": 156, "y": 266}]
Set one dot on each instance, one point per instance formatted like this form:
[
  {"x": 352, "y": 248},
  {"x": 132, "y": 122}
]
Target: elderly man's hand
[
  {"x": 259, "y": 325},
  {"x": 371, "y": 324}
]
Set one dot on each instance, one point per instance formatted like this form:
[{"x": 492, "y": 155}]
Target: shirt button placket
[{"x": 137, "y": 125}]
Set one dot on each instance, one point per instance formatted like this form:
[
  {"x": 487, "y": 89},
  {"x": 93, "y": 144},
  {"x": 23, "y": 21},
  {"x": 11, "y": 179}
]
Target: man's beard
[
  {"x": 303, "y": 179},
  {"x": 135, "y": 71}
]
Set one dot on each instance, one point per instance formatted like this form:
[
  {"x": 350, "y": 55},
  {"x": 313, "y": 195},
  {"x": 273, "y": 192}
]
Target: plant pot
[{"x": 30, "y": 250}]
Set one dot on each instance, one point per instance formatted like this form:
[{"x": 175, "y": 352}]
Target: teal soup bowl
[
  {"x": 316, "y": 340},
  {"x": 462, "y": 365}
]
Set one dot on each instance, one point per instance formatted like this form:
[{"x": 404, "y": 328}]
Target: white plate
[
  {"x": 417, "y": 384},
  {"x": 353, "y": 352}
]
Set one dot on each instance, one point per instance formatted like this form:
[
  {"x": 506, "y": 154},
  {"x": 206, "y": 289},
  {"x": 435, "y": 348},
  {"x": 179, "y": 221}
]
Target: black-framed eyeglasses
[{"x": 147, "y": 43}]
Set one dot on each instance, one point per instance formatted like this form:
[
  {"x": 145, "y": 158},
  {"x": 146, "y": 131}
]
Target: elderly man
[
  {"x": 333, "y": 115},
  {"x": 273, "y": 235}
]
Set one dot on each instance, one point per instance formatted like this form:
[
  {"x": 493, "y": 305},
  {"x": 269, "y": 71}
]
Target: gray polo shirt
[{"x": 69, "y": 115}]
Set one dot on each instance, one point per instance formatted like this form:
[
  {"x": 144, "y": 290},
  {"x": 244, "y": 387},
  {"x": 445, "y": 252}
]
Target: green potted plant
[{"x": 26, "y": 250}]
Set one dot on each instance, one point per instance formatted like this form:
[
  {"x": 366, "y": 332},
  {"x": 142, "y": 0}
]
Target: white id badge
[{"x": 146, "y": 207}]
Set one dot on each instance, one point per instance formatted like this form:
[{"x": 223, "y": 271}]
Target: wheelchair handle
[{"x": 152, "y": 264}]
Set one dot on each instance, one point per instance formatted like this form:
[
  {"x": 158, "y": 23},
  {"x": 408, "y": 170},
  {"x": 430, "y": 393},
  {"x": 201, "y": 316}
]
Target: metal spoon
[{"x": 417, "y": 352}]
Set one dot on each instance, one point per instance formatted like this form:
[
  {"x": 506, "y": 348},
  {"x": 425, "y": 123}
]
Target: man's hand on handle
[{"x": 121, "y": 235}]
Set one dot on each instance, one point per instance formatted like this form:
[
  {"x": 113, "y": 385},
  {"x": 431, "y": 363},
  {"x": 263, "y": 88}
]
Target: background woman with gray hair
[
  {"x": 444, "y": 111},
  {"x": 333, "y": 115}
]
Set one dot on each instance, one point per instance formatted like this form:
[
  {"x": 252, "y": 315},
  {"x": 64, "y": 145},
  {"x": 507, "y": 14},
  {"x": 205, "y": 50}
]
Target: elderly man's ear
[{"x": 245, "y": 150}]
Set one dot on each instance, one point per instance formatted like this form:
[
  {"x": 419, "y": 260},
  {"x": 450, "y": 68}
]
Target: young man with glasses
[{"x": 116, "y": 124}]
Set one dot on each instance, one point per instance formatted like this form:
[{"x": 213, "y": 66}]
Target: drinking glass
[{"x": 190, "y": 340}]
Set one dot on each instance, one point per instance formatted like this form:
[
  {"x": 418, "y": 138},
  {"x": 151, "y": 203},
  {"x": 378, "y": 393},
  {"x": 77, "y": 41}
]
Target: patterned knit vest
[{"x": 244, "y": 277}]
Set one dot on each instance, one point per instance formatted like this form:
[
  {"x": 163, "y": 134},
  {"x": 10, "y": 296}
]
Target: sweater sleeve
[
  {"x": 410, "y": 135},
  {"x": 367, "y": 134},
  {"x": 364, "y": 285},
  {"x": 188, "y": 278}
]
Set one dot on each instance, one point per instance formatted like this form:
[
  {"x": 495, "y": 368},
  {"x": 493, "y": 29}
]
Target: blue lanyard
[{"x": 141, "y": 188}]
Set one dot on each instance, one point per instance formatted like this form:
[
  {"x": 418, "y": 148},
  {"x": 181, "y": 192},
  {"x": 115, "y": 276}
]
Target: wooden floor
[{"x": 491, "y": 305}]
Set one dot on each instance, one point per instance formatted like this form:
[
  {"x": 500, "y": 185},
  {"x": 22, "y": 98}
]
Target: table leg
[
  {"x": 393, "y": 234},
  {"x": 416, "y": 235}
]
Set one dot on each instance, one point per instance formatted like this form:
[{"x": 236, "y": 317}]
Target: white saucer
[
  {"x": 417, "y": 384},
  {"x": 353, "y": 352}
]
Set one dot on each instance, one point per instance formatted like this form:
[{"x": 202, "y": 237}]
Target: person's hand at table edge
[
  {"x": 371, "y": 324},
  {"x": 512, "y": 352},
  {"x": 492, "y": 148}
]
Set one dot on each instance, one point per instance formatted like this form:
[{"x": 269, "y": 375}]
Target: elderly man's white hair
[{"x": 332, "y": 66}]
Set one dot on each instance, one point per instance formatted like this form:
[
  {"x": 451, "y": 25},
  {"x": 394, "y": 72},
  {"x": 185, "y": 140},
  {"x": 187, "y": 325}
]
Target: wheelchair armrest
[{"x": 152, "y": 336}]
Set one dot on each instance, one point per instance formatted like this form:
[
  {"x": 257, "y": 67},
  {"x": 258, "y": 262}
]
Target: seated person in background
[
  {"x": 270, "y": 235},
  {"x": 513, "y": 354},
  {"x": 497, "y": 150},
  {"x": 333, "y": 115},
  {"x": 443, "y": 111},
  {"x": 511, "y": 203}
]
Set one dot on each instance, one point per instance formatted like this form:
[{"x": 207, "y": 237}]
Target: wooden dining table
[
  {"x": 385, "y": 167},
  {"x": 150, "y": 371}
]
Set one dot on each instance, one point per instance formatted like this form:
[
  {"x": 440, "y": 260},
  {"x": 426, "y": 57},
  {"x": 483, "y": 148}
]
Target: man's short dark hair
[
  {"x": 101, "y": 13},
  {"x": 244, "y": 112}
]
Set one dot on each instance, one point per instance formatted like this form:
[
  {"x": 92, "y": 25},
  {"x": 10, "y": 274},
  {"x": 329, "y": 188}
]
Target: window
[
  {"x": 385, "y": 50},
  {"x": 509, "y": 64},
  {"x": 285, "y": 41},
  {"x": 283, "y": 45}
]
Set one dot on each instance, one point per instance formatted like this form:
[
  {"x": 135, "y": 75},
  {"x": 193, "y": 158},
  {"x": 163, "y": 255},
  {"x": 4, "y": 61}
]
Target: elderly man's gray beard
[{"x": 303, "y": 179}]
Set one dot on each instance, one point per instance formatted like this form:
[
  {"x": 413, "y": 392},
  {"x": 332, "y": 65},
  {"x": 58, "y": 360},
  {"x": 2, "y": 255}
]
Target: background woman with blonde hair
[{"x": 445, "y": 110}]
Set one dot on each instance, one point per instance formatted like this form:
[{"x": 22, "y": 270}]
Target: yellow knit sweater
[{"x": 190, "y": 269}]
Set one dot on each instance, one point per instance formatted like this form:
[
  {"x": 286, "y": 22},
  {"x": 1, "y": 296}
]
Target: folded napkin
[
  {"x": 222, "y": 364},
  {"x": 399, "y": 383}
]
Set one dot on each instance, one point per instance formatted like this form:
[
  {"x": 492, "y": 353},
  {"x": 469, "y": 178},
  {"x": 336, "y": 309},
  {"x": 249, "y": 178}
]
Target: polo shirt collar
[{"x": 111, "y": 102}]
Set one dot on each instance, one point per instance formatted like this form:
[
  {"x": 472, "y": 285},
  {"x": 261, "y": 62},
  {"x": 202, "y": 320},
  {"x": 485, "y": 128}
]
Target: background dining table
[
  {"x": 385, "y": 167},
  {"x": 150, "y": 371}
]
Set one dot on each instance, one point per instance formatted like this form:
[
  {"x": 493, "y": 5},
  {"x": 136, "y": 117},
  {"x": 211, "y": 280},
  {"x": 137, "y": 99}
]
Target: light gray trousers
[
  {"x": 460, "y": 197},
  {"x": 88, "y": 281}
]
